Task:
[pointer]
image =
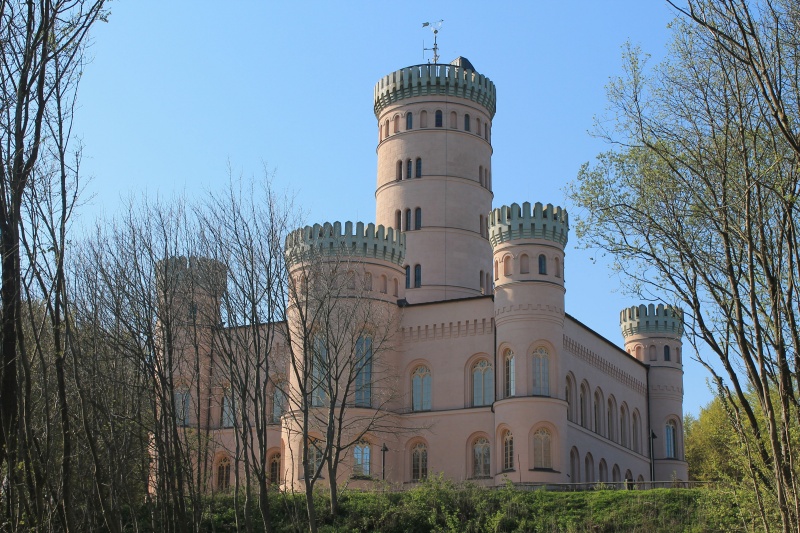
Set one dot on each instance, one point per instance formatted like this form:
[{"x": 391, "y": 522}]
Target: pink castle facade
[{"x": 493, "y": 380}]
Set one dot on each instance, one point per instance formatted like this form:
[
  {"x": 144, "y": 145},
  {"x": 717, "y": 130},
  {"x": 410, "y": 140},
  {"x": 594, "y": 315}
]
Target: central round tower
[{"x": 434, "y": 175}]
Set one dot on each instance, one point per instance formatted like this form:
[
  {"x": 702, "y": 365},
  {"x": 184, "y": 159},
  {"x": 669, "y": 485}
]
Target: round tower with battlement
[
  {"x": 434, "y": 179},
  {"x": 528, "y": 260},
  {"x": 345, "y": 281},
  {"x": 653, "y": 336}
]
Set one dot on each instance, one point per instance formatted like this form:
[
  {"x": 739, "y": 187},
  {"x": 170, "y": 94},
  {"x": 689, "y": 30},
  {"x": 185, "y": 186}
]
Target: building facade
[{"x": 492, "y": 379}]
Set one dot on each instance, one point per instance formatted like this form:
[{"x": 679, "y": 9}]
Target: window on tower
[
  {"x": 419, "y": 168},
  {"x": 418, "y": 218},
  {"x": 466, "y": 123},
  {"x": 408, "y": 276},
  {"x": 439, "y": 119},
  {"x": 409, "y": 121},
  {"x": 399, "y": 173},
  {"x": 417, "y": 276},
  {"x": 409, "y": 169}
]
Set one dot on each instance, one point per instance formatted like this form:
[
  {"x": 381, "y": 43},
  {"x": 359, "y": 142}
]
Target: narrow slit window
[
  {"x": 409, "y": 121},
  {"x": 439, "y": 119}
]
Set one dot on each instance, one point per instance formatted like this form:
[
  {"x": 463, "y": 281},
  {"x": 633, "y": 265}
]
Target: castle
[{"x": 492, "y": 379}]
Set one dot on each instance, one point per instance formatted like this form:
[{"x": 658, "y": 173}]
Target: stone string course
[
  {"x": 603, "y": 365},
  {"x": 450, "y": 330}
]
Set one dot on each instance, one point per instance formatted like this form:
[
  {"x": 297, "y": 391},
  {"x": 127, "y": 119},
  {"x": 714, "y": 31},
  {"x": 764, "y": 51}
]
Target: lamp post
[{"x": 384, "y": 449}]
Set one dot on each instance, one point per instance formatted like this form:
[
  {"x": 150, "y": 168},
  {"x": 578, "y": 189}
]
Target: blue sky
[{"x": 178, "y": 91}]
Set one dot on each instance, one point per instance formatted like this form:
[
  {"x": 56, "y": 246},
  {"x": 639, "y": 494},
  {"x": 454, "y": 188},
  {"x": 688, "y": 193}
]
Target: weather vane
[{"x": 434, "y": 26}]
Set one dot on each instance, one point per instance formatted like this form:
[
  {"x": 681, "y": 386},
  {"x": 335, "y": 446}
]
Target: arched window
[
  {"x": 361, "y": 459},
  {"x": 315, "y": 454},
  {"x": 569, "y": 396},
  {"x": 652, "y": 351},
  {"x": 583, "y": 406},
  {"x": 481, "y": 458},
  {"x": 183, "y": 402},
  {"x": 486, "y": 131},
  {"x": 224, "y": 473},
  {"x": 408, "y": 219},
  {"x": 488, "y": 284},
  {"x": 678, "y": 355},
  {"x": 398, "y": 216},
  {"x": 466, "y": 123},
  {"x": 510, "y": 372},
  {"x": 480, "y": 175},
  {"x": 481, "y": 283},
  {"x": 638, "y": 351},
  {"x": 588, "y": 469},
  {"x": 481, "y": 225},
  {"x": 628, "y": 475},
  {"x": 421, "y": 389},
  {"x": 278, "y": 402},
  {"x": 419, "y": 462},
  {"x": 419, "y": 168},
  {"x": 227, "y": 409},
  {"x": 418, "y": 218},
  {"x": 623, "y": 426},
  {"x": 542, "y": 264},
  {"x": 524, "y": 264},
  {"x": 367, "y": 281},
  {"x": 508, "y": 451},
  {"x": 541, "y": 372},
  {"x": 386, "y": 129},
  {"x": 423, "y": 119},
  {"x": 574, "y": 466},
  {"x": 612, "y": 426},
  {"x": 397, "y": 286},
  {"x": 275, "y": 469},
  {"x": 409, "y": 121},
  {"x": 557, "y": 267},
  {"x": 507, "y": 268},
  {"x": 482, "y": 383},
  {"x": 671, "y": 440},
  {"x": 636, "y": 433},
  {"x": 350, "y": 279},
  {"x": 319, "y": 360},
  {"x": 541, "y": 449},
  {"x": 666, "y": 353},
  {"x": 496, "y": 270},
  {"x": 363, "y": 388},
  {"x": 439, "y": 120},
  {"x": 603, "y": 468},
  {"x": 615, "y": 475},
  {"x": 408, "y": 276},
  {"x": 453, "y": 120},
  {"x": 417, "y": 276},
  {"x": 396, "y": 123},
  {"x": 409, "y": 169},
  {"x": 478, "y": 126},
  {"x": 399, "y": 174},
  {"x": 384, "y": 284},
  {"x": 598, "y": 411}
]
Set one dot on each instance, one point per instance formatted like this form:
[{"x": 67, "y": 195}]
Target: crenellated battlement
[
  {"x": 514, "y": 222},
  {"x": 182, "y": 273},
  {"x": 435, "y": 79},
  {"x": 368, "y": 241},
  {"x": 651, "y": 319}
]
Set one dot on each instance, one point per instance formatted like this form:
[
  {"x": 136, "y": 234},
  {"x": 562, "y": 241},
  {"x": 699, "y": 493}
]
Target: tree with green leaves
[{"x": 696, "y": 200}]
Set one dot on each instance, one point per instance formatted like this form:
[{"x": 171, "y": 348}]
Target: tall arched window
[
  {"x": 557, "y": 262},
  {"x": 408, "y": 219},
  {"x": 524, "y": 264},
  {"x": 480, "y": 175},
  {"x": 482, "y": 383},
  {"x": 368, "y": 281},
  {"x": 481, "y": 226},
  {"x": 363, "y": 385},
  {"x": 408, "y": 276},
  {"x": 666, "y": 353},
  {"x": 612, "y": 426},
  {"x": 423, "y": 119},
  {"x": 418, "y": 218},
  {"x": 510, "y": 374},
  {"x": 486, "y": 131},
  {"x": 583, "y": 406},
  {"x": 439, "y": 120},
  {"x": 386, "y": 129},
  {"x": 278, "y": 402},
  {"x": 409, "y": 169},
  {"x": 541, "y": 449},
  {"x": 315, "y": 455},
  {"x": 466, "y": 123},
  {"x": 397, "y": 285},
  {"x": 603, "y": 468},
  {"x": 671, "y": 440},
  {"x": 615, "y": 475},
  {"x": 508, "y": 451},
  {"x": 396, "y": 123},
  {"x": 399, "y": 174},
  {"x": 319, "y": 362},
  {"x": 636, "y": 432},
  {"x": 569, "y": 396},
  {"x": 398, "y": 216},
  {"x": 275, "y": 469},
  {"x": 588, "y": 468},
  {"x": 224, "y": 473},
  {"x": 183, "y": 402},
  {"x": 453, "y": 120},
  {"x": 542, "y": 264},
  {"x": 574, "y": 466},
  {"x": 421, "y": 389},
  {"x": 623, "y": 426},
  {"x": 507, "y": 268},
  {"x": 419, "y": 167},
  {"x": 481, "y": 282},
  {"x": 478, "y": 126},
  {"x": 481, "y": 458},
  {"x": 598, "y": 411},
  {"x": 227, "y": 409},
  {"x": 417, "y": 276},
  {"x": 409, "y": 120},
  {"x": 496, "y": 270},
  {"x": 361, "y": 459},
  {"x": 384, "y": 284},
  {"x": 541, "y": 372},
  {"x": 419, "y": 462}
]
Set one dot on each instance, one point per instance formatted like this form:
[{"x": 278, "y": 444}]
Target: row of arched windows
[
  {"x": 653, "y": 352},
  {"x": 540, "y": 375},
  {"x": 479, "y": 127},
  {"x": 223, "y": 470},
  {"x": 589, "y": 475},
  {"x": 593, "y": 412},
  {"x": 411, "y": 169},
  {"x": 417, "y": 277},
  {"x": 525, "y": 266},
  {"x": 480, "y": 449},
  {"x": 407, "y": 222},
  {"x": 384, "y": 283}
]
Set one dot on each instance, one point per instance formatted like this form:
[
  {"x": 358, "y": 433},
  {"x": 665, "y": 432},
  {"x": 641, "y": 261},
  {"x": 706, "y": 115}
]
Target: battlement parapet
[
  {"x": 435, "y": 79},
  {"x": 191, "y": 273},
  {"x": 357, "y": 240},
  {"x": 651, "y": 319},
  {"x": 512, "y": 222}
]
